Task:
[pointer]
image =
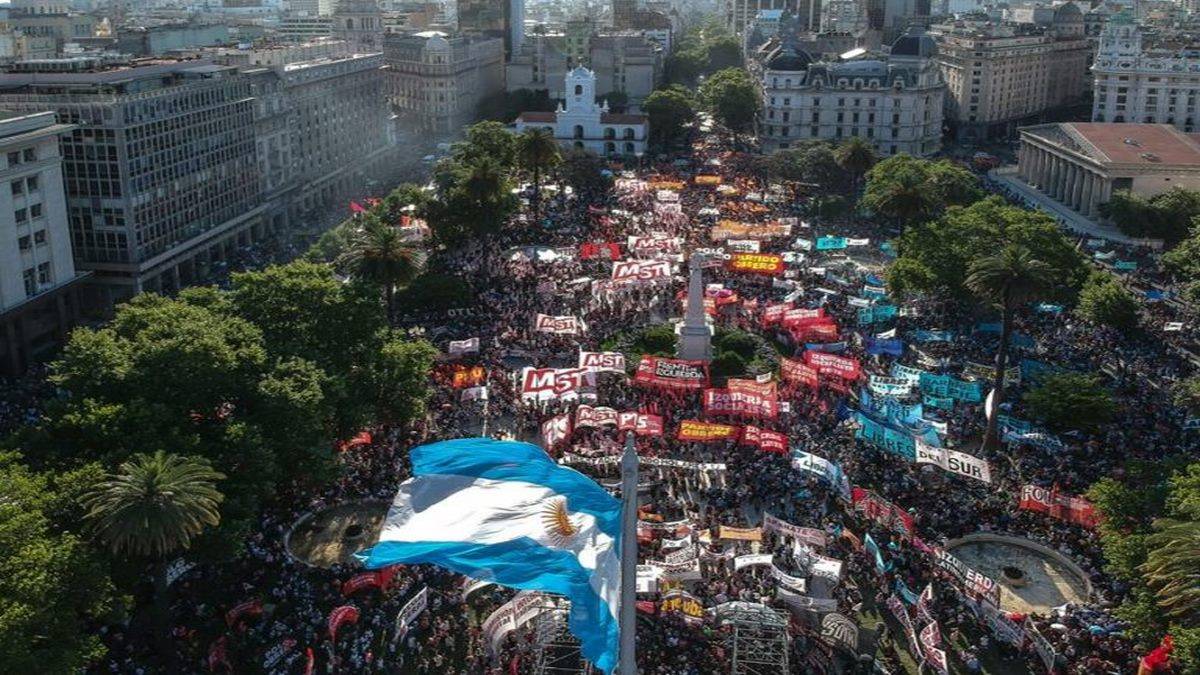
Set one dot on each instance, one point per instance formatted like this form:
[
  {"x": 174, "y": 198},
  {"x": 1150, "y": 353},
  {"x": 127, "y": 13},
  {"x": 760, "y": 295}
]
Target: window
[
  {"x": 14, "y": 158},
  {"x": 579, "y": 90},
  {"x": 21, "y": 215},
  {"x": 23, "y": 243},
  {"x": 31, "y": 184},
  {"x": 43, "y": 273},
  {"x": 35, "y": 211},
  {"x": 18, "y": 187},
  {"x": 39, "y": 237},
  {"x": 29, "y": 155},
  {"x": 30, "y": 283}
]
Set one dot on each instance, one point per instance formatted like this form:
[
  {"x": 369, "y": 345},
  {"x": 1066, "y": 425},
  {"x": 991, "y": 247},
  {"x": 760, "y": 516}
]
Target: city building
[
  {"x": 740, "y": 15},
  {"x": 1140, "y": 79},
  {"x": 39, "y": 289},
  {"x": 1081, "y": 165},
  {"x": 627, "y": 62},
  {"x": 359, "y": 23},
  {"x": 135, "y": 40},
  {"x": 161, "y": 171},
  {"x": 61, "y": 28},
  {"x": 894, "y": 103},
  {"x": 1003, "y": 74},
  {"x": 494, "y": 18},
  {"x": 437, "y": 82},
  {"x": 585, "y": 124},
  {"x": 304, "y": 27}
]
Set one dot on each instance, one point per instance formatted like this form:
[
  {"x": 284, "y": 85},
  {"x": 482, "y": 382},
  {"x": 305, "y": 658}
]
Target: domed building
[{"x": 895, "y": 103}]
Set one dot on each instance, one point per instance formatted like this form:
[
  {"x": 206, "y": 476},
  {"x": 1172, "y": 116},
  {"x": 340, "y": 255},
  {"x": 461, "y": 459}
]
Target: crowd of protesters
[{"x": 534, "y": 267}]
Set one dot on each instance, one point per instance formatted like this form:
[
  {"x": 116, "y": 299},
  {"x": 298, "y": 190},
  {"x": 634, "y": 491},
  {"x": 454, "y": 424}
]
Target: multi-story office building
[
  {"x": 359, "y": 23},
  {"x": 161, "y": 170},
  {"x": 740, "y": 15},
  {"x": 39, "y": 293},
  {"x": 321, "y": 126},
  {"x": 304, "y": 27},
  {"x": 1001, "y": 75},
  {"x": 437, "y": 82},
  {"x": 1140, "y": 80},
  {"x": 494, "y": 18},
  {"x": 895, "y": 104},
  {"x": 626, "y": 62}
]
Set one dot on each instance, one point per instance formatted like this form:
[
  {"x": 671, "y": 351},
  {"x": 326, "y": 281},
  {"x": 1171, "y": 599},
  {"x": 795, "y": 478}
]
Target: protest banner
[
  {"x": 602, "y": 362},
  {"x": 967, "y": 580},
  {"x": 462, "y": 377},
  {"x": 606, "y": 250},
  {"x": 1050, "y": 501},
  {"x": 831, "y": 472},
  {"x": 767, "y": 441},
  {"x": 882, "y": 511},
  {"x": 411, "y": 610},
  {"x": 773, "y": 314},
  {"x": 558, "y": 325},
  {"x": 641, "y": 424},
  {"x": 806, "y": 535},
  {"x": 843, "y": 366},
  {"x": 743, "y": 398},
  {"x": 658, "y": 371},
  {"x": 953, "y": 461},
  {"x": 640, "y": 271},
  {"x": 739, "y": 533},
  {"x": 588, "y": 416},
  {"x": 756, "y": 263},
  {"x": 684, "y": 603},
  {"x": 752, "y": 560},
  {"x": 798, "y": 372},
  {"x": 797, "y": 584},
  {"x": 695, "y": 430},
  {"x": 550, "y": 383},
  {"x": 460, "y": 347}
]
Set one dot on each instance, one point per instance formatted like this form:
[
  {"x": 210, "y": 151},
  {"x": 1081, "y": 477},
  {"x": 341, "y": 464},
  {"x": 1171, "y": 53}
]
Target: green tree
[
  {"x": 935, "y": 256},
  {"x": 1007, "y": 280},
  {"x": 856, "y": 157},
  {"x": 733, "y": 99},
  {"x": 1183, "y": 261},
  {"x": 684, "y": 67},
  {"x": 909, "y": 189},
  {"x": 385, "y": 256},
  {"x": 1068, "y": 401},
  {"x": 487, "y": 140},
  {"x": 670, "y": 111},
  {"x": 475, "y": 200},
  {"x": 809, "y": 166},
  {"x": 52, "y": 587},
  {"x": 152, "y": 509},
  {"x": 537, "y": 152},
  {"x": 723, "y": 52},
  {"x": 585, "y": 172},
  {"x": 435, "y": 292},
  {"x": 1170, "y": 568},
  {"x": 401, "y": 381},
  {"x": 1104, "y": 300},
  {"x": 1174, "y": 211}
]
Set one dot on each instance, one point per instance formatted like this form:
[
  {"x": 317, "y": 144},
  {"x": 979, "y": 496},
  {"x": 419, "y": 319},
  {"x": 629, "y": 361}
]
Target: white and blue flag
[{"x": 503, "y": 511}]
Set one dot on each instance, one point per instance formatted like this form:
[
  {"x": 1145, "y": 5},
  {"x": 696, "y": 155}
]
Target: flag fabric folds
[{"x": 503, "y": 511}]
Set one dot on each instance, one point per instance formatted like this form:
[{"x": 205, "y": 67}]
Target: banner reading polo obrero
[
  {"x": 503, "y": 511},
  {"x": 671, "y": 373},
  {"x": 756, "y": 263},
  {"x": 695, "y": 430},
  {"x": 559, "y": 325}
]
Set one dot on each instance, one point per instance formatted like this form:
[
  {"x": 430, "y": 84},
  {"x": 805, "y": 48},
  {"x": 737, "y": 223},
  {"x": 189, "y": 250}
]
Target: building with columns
[{"x": 1081, "y": 165}]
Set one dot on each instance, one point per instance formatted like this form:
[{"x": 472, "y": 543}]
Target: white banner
[
  {"x": 556, "y": 429},
  {"x": 588, "y": 416},
  {"x": 953, "y": 461},
  {"x": 474, "y": 394},
  {"x": 645, "y": 271},
  {"x": 794, "y": 583},
  {"x": 458, "y": 347},
  {"x": 803, "y": 602},
  {"x": 559, "y": 325},
  {"x": 512, "y": 615},
  {"x": 752, "y": 560},
  {"x": 411, "y": 610},
  {"x": 805, "y": 534},
  {"x": 602, "y": 362},
  {"x": 544, "y": 384}
]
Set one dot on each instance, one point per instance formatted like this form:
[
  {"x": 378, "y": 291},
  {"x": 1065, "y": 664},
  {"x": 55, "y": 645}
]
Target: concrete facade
[
  {"x": 437, "y": 82},
  {"x": 1139, "y": 82},
  {"x": 584, "y": 124}
]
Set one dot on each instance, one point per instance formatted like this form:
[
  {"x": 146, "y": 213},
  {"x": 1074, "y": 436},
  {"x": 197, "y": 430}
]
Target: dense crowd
[{"x": 689, "y": 510}]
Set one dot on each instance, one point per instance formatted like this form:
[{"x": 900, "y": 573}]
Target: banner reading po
[{"x": 756, "y": 263}]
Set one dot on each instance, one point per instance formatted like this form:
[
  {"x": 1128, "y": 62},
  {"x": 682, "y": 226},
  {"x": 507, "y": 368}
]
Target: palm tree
[
  {"x": 905, "y": 197},
  {"x": 151, "y": 509},
  {"x": 856, "y": 157},
  {"x": 1007, "y": 279},
  {"x": 384, "y": 255},
  {"x": 537, "y": 151},
  {"x": 1170, "y": 568}
]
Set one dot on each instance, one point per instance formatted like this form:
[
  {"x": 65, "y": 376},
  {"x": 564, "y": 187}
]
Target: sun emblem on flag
[{"x": 557, "y": 520}]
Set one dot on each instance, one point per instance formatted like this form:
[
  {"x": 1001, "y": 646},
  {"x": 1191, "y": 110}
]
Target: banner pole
[{"x": 629, "y": 545}]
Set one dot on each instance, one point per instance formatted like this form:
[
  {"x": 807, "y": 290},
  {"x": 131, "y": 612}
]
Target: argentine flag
[{"x": 505, "y": 512}]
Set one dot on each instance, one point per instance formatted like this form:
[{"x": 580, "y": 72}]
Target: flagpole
[{"x": 628, "y": 615}]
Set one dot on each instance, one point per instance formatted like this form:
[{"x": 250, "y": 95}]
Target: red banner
[
  {"x": 587, "y": 416},
  {"x": 826, "y": 363},
  {"x": 556, "y": 429},
  {"x": 464, "y": 376},
  {"x": 743, "y": 397},
  {"x": 756, "y": 263},
  {"x": 800, "y": 316},
  {"x": 247, "y": 608},
  {"x": 823, "y": 330},
  {"x": 773, "y": 314},
  {"x": 1050, "y": 501},
  {"x": 340, "y": 616},
  {"x": 360, "y": 581},
  {"x": 609, "y": 250},
  {"x": 672, "y": 373},
  {"x": 641, "y": 424},
  {"x": 881, "y": 510},
  {"x": 798, "y": 372},
  {"x": 695, "y": 430},
  {"x": 767, "y": 441}
]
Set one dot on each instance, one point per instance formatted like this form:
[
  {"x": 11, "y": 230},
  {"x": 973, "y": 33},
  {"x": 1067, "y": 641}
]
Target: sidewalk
[{"x": 1007, "y": 177}]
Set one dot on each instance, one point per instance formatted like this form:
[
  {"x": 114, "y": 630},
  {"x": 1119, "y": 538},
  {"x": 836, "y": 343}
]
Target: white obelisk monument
[{"x": 695, "y": 336}]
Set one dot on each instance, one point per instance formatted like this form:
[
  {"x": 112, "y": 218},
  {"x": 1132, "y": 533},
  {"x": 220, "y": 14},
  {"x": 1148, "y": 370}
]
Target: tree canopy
[
  {"x": 670, "y": 110},
  {"x": 935, "y": 256},
  {"x": 910, "y": 189},
  {"x": 732, "y": 98},
  {"x": 1167, "y": 215},
  {"x": 1070, "y": 401},
  {"x": 1103, "y": 300}
]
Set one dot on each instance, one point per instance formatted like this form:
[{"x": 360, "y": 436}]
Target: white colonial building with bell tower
[{"x": 583, "y": 123}]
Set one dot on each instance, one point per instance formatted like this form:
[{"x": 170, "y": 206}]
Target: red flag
[
  {"x": 339, "y": 616},
  {"x": 1159, "y": 659},
  {"x": 311, "y": 663},
  {"x": 357, "y": 208},
  {"x": 385, "y": 576},
  {"x": 360, "y": 581},
  {"x": 217, "y": 655}
]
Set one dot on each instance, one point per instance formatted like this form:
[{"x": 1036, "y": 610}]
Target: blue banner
[
  {"x": 831, "y": 243},
  {"x": 942, "y": 402},
  {"x": 1126, "y": 265},
  {"x": 886, "y": 438},
  {"x": 876, "y": 314},
  {"x": 872, "y": 550},
  {"x": 933, "y": 336},
  {"x": 877, "y": 347},
  {"x": 1047, "y": 308},
  {"x": 908, "y": 596},
  {"x": 874, "y": 292},
  {"x": 947, "y": 386},
  {"x": 830, "y": 347},
  {"x": 988, "y": 328}
]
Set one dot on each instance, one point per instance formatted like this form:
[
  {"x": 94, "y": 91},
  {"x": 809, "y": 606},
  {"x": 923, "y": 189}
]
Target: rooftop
[{"x": 1119, "y": 143}]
